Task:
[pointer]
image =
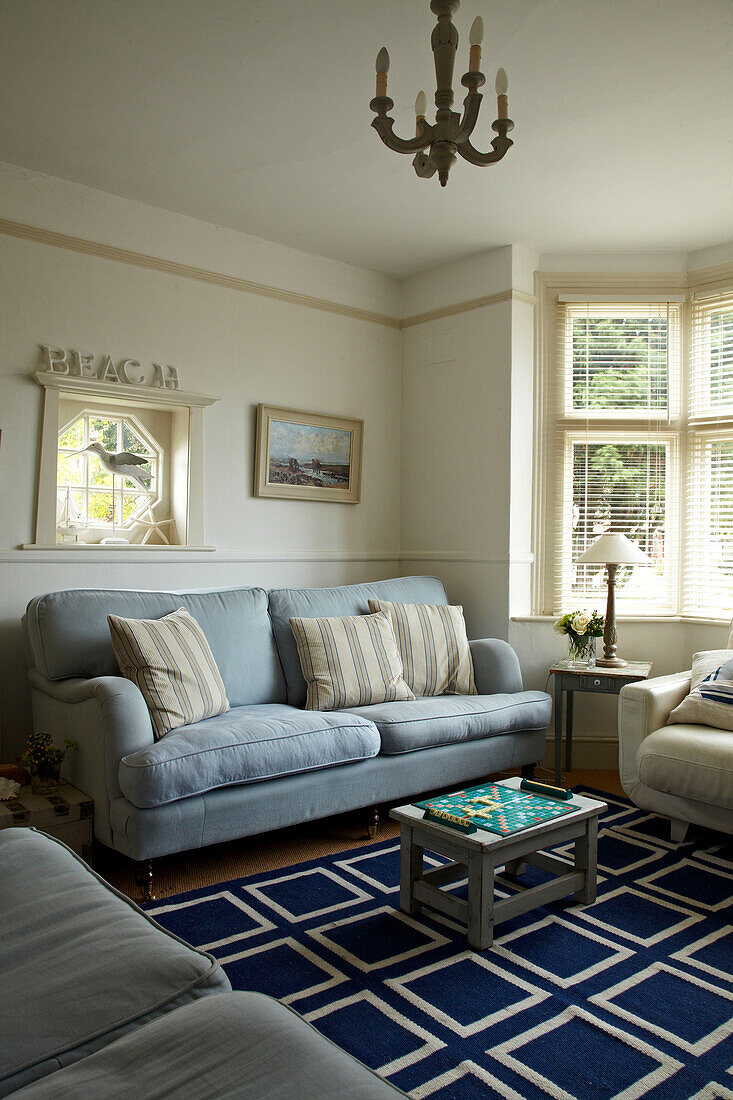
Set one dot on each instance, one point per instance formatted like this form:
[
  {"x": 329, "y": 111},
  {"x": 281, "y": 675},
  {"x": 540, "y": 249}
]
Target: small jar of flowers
[
  {"x": 582, "y": 629},
  {"x": 43, "y": 760}
]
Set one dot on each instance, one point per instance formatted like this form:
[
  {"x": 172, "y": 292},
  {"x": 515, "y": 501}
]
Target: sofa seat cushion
[
  {"x": 81, "y": 965},
  {"x": 689, "y": 761},
  {"x": 446, "y": 719},
  {"x": 238, "y": 1045},
  {"x": 245, "y": 745}
]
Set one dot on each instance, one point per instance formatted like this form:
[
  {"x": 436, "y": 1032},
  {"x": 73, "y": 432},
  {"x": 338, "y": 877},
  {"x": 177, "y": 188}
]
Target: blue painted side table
[{"x": 569, "y": 679}]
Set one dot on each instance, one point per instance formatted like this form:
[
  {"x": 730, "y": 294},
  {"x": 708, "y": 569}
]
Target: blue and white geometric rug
[{"x": 630, "y": 997}]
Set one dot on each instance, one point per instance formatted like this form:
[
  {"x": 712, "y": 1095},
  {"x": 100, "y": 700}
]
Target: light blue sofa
[{"x": 267, "y": 763}]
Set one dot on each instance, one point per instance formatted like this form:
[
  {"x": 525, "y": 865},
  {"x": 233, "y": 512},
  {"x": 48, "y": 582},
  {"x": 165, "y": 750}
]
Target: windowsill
[{"x": 630, "y": 619}]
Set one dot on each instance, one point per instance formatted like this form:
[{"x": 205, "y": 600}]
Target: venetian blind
[
  {"x": 615, "y": 450},
  {"x": 708, "y": 556}
]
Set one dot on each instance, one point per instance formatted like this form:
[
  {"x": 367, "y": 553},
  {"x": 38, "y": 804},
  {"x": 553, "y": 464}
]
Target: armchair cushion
[
  {"x": 643, "y": 708},
  {"x": 689, "y": 761}
]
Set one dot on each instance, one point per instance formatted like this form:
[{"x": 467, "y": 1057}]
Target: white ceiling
[{"x": 256, "y": 116}]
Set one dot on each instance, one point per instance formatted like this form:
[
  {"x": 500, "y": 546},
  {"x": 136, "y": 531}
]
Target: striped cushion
[
  {"x": 433, "y": 646},
  {"x": 349, "y": 662},
  {"x": 170, "y": 661},
  {"x": 710, "y": 703}
]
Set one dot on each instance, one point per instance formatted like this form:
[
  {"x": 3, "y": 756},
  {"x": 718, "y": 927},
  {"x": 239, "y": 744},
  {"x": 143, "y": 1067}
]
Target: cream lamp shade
[{"x": 614, "y": 549}]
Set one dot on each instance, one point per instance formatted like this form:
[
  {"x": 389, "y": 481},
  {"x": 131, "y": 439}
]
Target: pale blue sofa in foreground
[
  {"x": 100, "y": 1002},
  {"x": 266, "y": 763}
]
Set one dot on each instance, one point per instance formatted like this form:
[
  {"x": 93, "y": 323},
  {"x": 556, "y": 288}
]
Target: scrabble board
[{"x": 493, "y": 807}]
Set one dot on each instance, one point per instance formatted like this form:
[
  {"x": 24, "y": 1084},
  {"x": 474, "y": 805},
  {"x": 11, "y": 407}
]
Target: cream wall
[
  {"x": 447, "y": 401},
  {"x": 242, "y": 347},
  {"x": 456, "y": 397}
]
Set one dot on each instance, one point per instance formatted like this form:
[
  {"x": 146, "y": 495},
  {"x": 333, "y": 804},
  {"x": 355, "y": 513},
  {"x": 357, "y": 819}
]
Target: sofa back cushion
[
  {"x": 69, "y": 635},
  {"x": 350, "y": 599}
]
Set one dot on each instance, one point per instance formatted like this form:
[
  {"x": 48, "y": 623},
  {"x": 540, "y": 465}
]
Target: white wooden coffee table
[{"x": 478, "y": 855}]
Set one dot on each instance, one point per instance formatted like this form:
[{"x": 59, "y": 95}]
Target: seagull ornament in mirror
[{"x": 122, "y": 464}]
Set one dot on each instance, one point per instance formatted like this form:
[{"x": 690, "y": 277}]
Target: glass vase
[
  {"x": 581, "y": 651},
  {"x": 44, "y": 783}
]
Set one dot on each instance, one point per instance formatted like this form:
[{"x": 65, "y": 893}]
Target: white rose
[{"x": 580, "y": 622}]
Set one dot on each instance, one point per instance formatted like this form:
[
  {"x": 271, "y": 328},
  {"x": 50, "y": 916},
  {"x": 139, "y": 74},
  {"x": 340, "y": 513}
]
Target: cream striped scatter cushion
[
  {"x": 433, "y": 645},
  {"x": 349, "y": 662},
  {"x": 172, "y": 664}
]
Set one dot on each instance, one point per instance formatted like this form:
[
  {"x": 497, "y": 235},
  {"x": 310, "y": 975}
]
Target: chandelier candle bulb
[
  {"x": 382, "y": 70},
  {"x": 502, "y": 87},
  {"x": 421, "y": 107},
  {"x": 475, "y": 38}
]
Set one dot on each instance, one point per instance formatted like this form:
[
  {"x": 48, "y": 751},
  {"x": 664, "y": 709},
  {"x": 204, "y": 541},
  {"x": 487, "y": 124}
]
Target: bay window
[{"x": 636, "y": 437}]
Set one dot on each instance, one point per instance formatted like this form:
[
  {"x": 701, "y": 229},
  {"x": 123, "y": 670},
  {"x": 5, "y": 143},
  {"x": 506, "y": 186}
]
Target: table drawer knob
[{"x": 596, "y": 683}]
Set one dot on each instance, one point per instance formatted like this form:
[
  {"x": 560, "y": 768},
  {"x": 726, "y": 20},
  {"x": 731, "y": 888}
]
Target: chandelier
[{"x": 436, "y": 145}]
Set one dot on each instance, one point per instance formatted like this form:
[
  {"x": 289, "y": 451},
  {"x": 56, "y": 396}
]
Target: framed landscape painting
[{"x": 308, "y": 456}]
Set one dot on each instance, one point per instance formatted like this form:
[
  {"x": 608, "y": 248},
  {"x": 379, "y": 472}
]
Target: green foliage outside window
[{"x": 619, "y": 363}]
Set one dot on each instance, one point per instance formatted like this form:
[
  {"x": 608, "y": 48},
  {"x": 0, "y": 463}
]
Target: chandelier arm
[
  {"x": 385, "y": 128},
  {"x": 500, "y": 145},
  {"x": 471, "y": 107}
]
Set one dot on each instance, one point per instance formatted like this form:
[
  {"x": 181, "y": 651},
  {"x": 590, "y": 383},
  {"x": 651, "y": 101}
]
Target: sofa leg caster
[
  {"x": 678, "y": 830},
  {"x": 144, "y": 879},
  {"x": 373, "y": 822},
  {"x": 528, "y": 771}
]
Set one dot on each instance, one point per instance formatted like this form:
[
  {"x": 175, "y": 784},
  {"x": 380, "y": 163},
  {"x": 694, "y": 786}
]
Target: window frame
[
  {"x": 671, "y": 440},
  {"x": 186, "y": 462},
  {"x": 155, "y": 449},
  {"x": 708, "y": 288},
  {"x": 554, "y": 291}
]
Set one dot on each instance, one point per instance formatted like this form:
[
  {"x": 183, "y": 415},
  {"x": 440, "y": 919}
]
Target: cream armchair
[{"x": 682, "y": 772}]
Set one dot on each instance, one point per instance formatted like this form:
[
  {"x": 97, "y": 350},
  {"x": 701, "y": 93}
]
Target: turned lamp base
[{"x": 611, "y": 662}]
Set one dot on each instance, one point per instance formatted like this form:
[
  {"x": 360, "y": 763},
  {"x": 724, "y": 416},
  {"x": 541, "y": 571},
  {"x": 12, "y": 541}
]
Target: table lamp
[{"x": 612, "y": 551}]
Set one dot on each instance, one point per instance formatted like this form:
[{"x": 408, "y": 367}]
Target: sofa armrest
[
  {"x": 643, "y": 708},
  {"x": 107, "y": 717},
  {"x": 495, "y": 666}
]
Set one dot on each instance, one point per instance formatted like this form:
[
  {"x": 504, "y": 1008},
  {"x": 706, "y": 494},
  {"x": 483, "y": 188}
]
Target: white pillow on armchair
[{"x": 710, "y": 702}]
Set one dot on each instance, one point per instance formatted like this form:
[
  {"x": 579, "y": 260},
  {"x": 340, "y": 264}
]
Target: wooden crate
[{"x": 68, "y": 815}]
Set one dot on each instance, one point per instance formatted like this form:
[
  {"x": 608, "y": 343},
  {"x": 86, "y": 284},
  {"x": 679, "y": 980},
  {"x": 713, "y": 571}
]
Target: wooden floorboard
[{"x": 270, "y": 851}]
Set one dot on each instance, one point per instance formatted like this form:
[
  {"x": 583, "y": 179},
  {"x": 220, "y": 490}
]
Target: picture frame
[{"x": 308, "y": 456}]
